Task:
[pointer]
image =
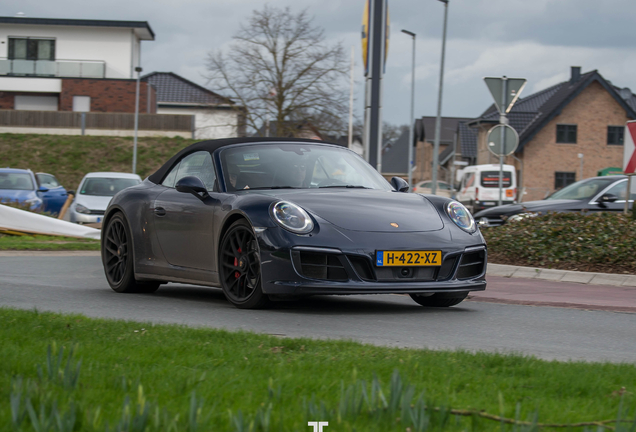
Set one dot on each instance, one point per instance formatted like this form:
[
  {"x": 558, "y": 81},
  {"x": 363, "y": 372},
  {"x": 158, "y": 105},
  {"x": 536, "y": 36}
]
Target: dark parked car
[
  {"x": 40, "y": 192},
  {"x": 269, "y": 219},
  {"x": 594, "y": 194}
]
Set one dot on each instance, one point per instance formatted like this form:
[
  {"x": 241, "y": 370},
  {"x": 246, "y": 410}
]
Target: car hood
[
  {"x": 532, "y": 206},
  {"x": 16, "y": 195},
  {"x": 367, "y": 209},
  {"x": 93, "y": 202}
]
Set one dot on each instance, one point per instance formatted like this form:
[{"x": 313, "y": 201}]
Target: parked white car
[{"x": 95, "y": 192}]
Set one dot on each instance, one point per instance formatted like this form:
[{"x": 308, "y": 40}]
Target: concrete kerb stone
[
  {"x": 628, "y": 281},
  {"x": 550, "y": 274},
  {"x": 608, "y": 279},
  {"x": 578, "y": 277}
]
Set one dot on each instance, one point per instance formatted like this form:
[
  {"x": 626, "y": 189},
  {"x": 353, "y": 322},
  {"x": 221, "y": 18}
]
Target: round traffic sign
[{"x": 502, "y": 140}]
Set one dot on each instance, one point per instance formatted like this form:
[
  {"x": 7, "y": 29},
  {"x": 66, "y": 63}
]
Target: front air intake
[
  {"x": 471, "y": 265},
  {"x": 325, "y": 266}
]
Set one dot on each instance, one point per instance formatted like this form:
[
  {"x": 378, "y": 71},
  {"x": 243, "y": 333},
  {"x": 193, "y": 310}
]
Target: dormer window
[{"x": 31, "y": 48}]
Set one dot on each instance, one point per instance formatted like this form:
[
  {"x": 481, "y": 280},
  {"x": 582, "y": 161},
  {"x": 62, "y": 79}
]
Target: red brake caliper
[{"x": 236, "y": 274}]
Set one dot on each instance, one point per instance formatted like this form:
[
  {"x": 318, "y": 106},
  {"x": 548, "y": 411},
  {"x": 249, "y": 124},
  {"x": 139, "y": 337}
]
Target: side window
[
  {"x": 169, "y": 181},
  {"x": 200, "y": 165},
  {"x": 619, "y": 190}
]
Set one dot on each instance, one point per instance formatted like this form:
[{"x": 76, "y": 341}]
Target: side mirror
[
  {"x": 192, "y": 185},
  {"x": 608, "y": 198},
  {"x": 399, "y": 184},
  {"x": 43, "y": 189}
]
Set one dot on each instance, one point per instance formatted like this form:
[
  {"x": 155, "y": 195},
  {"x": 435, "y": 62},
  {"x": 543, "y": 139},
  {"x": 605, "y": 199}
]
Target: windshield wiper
[
  {"x": 345, "y": 186},
  {"x": 271, "y": 187}
]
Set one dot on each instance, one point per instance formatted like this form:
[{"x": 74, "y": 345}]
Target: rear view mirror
[
  {"x": 192, "y": 185},
  {"x": 399, "y": 184},
  {"x": 608, "y": 198}
]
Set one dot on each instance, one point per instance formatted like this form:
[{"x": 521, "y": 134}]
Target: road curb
[
  {"x": 49, "y": 253},
  {"x": 590, "y": 278}
]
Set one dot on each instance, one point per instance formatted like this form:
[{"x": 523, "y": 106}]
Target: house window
[
  {"x": 615, "y": 135},
  {"x": 31, "y": 49},
  {"x": 566, "y": 134},
  {"x": 81, "y": 103},
  {"x": 562, "y": 179}
]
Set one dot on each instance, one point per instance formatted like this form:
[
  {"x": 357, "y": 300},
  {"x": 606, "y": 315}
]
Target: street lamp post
[
  {"x": 412, "y": 123},
  {"x": 134, "y": 164},
  {"x": 438, "y": 120}
]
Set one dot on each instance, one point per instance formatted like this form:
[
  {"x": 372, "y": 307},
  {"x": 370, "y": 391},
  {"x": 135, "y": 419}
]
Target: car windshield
[
  {"x": 584, "y": 189},
  {"x": 16, "y": 181},
  {"x": 100, "y": 186},
  {"x": 297, "y": 166}
]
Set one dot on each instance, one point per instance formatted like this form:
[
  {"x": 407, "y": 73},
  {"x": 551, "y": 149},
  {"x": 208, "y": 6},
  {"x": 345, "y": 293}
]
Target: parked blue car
[{"x": 41, "y": 191}]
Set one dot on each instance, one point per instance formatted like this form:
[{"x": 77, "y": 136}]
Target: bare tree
[
  {"x": 391, "y": 132},
  {"x": 281, "y": 68}
]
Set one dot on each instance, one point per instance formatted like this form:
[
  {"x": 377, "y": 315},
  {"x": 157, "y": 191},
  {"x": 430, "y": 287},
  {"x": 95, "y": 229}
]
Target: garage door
[{"x": 36, "y": 103}]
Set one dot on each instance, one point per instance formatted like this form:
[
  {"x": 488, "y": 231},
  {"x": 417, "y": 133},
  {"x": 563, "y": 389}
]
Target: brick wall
[
  {"x": 108, "y": 95},
  {"x": 593, "y": 110}
]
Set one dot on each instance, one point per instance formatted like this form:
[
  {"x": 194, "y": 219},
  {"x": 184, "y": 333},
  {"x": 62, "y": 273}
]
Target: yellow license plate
[{"x": 408, "y": 258}]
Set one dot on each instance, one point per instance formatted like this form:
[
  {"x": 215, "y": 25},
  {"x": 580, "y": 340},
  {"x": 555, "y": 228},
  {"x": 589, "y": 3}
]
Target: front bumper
[
  {"x": 83, "y": 218},
  {"x": 302, "y": 269}
]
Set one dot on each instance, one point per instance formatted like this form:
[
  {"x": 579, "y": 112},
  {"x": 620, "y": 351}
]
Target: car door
[
  {"x": 184, "y": 223},
  {"x": 55, "y": 197},
  {"x": 619, "y": 190}
]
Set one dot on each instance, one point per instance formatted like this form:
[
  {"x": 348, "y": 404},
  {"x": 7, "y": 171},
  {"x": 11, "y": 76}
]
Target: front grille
[
  {"x": 96, "y": 212},
  {"x": 471, "y": 265},
  {"x": 486, "y": 222},
  {"x": 446, "y": 270},
  {"x": 362, "y": 267},
  {"x": 317, "y": 265}
]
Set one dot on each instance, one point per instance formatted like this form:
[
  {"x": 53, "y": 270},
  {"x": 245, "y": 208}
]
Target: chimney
[{"x": 575, "y": 76}]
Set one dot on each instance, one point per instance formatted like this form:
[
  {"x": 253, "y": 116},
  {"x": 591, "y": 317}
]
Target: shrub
[{"x": 603, "y": 242}]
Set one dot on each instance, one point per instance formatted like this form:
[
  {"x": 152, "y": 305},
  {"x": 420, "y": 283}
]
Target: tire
[
  {"x": 118, "y": 259},
  {"x": 440, "y": 299},
  {"x": 240, "y": 267}
]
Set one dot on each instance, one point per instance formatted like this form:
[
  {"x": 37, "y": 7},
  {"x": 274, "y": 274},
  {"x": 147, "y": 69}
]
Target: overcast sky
[{"x": 534, "y": 39}]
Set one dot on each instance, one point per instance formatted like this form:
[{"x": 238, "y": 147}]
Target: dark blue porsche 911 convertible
[{"x": 268, "y": 219}]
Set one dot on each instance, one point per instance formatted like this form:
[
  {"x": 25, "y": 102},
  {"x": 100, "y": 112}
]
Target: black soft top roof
[{"x": 211, "y": 145}]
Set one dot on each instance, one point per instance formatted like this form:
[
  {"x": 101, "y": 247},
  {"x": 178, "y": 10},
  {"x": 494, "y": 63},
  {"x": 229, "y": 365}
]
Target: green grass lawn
[
  {"x": 70, "y": 157},
  {"x": 46, "y": 243},
  {"x": 132, "y": 376}
]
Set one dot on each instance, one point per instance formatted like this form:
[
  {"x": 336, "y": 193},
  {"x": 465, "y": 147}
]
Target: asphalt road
[{"x": 77, "y": 284}]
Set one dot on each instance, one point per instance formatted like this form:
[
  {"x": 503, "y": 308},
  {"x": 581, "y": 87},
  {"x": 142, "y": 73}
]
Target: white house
[
  {"x": 70, "y": 64},
  {"x": 215, "y": 116}
]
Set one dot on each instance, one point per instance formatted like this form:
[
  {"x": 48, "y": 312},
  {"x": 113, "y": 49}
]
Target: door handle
[{"x": 160, "y": 211}]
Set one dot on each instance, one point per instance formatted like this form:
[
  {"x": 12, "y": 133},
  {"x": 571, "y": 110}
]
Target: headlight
[
  {"x": 81, "y": 209},
  {"x": 292, "y": 217},
  {"x": 521, "y": 216},
  {"x": 34, "y": 203},
  {"x": 460, "y": 215}
]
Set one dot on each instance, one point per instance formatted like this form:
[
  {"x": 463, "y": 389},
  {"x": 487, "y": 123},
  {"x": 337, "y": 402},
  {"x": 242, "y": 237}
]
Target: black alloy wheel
[
  {"x": 240, "y": 267},
  {"x": 439, "y": 299},
  {"x": 117, "y": 257}
]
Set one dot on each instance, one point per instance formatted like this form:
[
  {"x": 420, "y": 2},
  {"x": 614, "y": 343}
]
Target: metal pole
[
  {"x": 502, "y": 120},
  {"x": 134, "y": 164},
  {"x": 351, "y": 100},
  {"x": 438, "y": 120},
  {"x": 628, "y": 193},
  {"x": 83, "y": 123},
  {"x": 412, "y": 123}
]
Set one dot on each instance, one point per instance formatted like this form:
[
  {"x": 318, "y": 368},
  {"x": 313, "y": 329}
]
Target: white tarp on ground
[{"x": 13, "y": 219}]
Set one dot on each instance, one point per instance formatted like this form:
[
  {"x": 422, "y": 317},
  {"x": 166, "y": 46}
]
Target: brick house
[
  {"x": 72, "y": 65},
  {"x": 567, "y": 132}
]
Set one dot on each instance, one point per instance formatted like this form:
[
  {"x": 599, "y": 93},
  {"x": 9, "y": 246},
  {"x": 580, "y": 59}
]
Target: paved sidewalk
[{"x": 510, "y": 271}]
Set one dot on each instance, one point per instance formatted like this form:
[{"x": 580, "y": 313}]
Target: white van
[{"x": 479, "y": 186}]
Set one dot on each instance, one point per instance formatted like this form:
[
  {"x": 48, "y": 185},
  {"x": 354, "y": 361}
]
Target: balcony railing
[{"x": 57, "y": 68}]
